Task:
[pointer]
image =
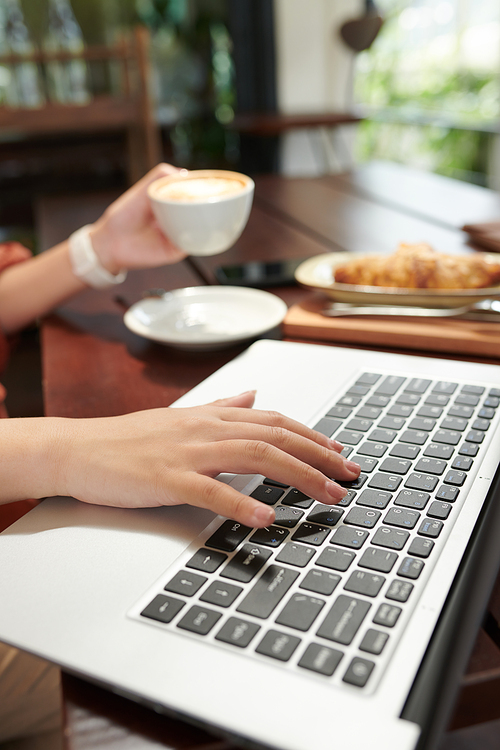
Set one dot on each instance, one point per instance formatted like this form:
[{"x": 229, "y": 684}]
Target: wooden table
[{"x": 93, "y": 366}]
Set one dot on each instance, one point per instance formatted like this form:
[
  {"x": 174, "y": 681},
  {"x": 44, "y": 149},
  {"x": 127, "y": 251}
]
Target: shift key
[
  {"x": 343, "y": 620},
  {"x": 268, "y": 591}
]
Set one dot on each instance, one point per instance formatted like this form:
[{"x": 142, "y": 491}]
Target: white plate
[
  {"x": 206, "y": 317},
  {"x": 319, "y": 273}
]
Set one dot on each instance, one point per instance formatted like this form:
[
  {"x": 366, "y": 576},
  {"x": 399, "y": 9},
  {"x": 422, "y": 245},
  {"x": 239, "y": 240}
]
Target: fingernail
[
  {"x": 353, "y": 467},
  {"x": 262, "y": 516},
  {"x": 335, "y": 490},
  {"x": 336, "y": 445}
]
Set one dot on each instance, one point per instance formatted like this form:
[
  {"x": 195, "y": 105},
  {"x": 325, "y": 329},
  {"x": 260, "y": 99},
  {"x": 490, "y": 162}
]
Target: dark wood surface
[{"x": 94, "y": 366}]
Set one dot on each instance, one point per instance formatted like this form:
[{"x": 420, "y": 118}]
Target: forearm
[
  {"x": 31, "y": 450},
  {"x": 33, "y": 288}
]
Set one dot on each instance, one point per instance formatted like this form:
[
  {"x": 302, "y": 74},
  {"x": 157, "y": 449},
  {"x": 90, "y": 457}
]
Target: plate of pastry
[{"x": 415, "y": 275}]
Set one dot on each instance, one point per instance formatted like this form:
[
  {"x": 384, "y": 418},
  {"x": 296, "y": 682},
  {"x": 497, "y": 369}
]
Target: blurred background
[{"x": 424, "y": 81}]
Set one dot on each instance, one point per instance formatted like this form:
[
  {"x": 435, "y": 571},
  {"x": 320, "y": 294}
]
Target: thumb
[{"x": 243, "y": 400}]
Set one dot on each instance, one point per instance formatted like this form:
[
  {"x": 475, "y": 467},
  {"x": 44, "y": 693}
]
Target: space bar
[{"x": 268, "y": 591}]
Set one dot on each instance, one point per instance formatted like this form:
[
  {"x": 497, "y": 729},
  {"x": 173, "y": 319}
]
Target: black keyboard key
[
  {"x": 492, "y": 401},
  {"x": 475, "y": 436},
  {"x": 462, "y": 463},
  {"x": 390, "y": 385},
  {"x": 494, "y": 392},
  {"x": 358, "y": 390},
  {"x": 185, "y": 583},
  {"x": 298, "y": 499},
  {"x": 270, "y": 536},
  {"x": 421, "y": 547},
  {"x": 382, "y": 436},
  {"x": 374, "y": 499},
  {"x": 478, "y": 390},
  {"x": 300, "y": 612},
  {"x": 430, "y": 528},
  {"x": 387, "y": 614},
  {"x": 344, "y": 619},
  {"x": 321, "y": 582},
  {"x": 389, "y": 482},
  {"x": 439, "y": 450},
  {"x": 390, "y": 538},
  {"x": 418, "y": 385},
  {"x": 221, "y": 593},
  {"x": 347, "y": 499},
  {"x": 349, "y": 400},
  {"x": 335, "y": 559},
  {"x": 400, "y": 410},
  {"x": 237, "y": 632},
  {"x": 464, "y": 412},
  {"x": 376, "y": 450},
  {"x": 438, "y": 509},
  {"x": 365, "y": 463},
  {"x": 287, "y": 516},
  {"x": 468, "y": 449},
  {"x": 409, "y": 399},
  {"x": 414, "y": 437},
  {"x": 368, "y": 378},
  {"x": 430, "y": 412},
  {"x": 412, "y": 499},
  {"x": 199, "y": 620},
  {"x": 369, "y": 412},
  {"x": 467, "y": 400},
  {"x": 378, "y": 559},
  {"x": 447, "y": 493},
  {"x": 410, "y": 567},
  {"x": 431, "y": 465},
  {"x": 328, "y": 515},
  {"x": 399, "y": 591},
  {"x": 268, "y": 591},
  {"x": 163, "y": 608},
  {"x": 358, "y": 672},
  {"x": 392, "y": 423},
  {"x": 480, "y": 424},
  {"x": 356, "y": 484},
  {"x": 275, "y": 483},
  {"x": 206, "y": 560},
  {"x": 367, "y": 584},
  {"x": 350, "y": 437},
  {"x": 378, "y": 401},
  {"x": 445, "y": 387},
  {"x": 424, "y": 482},
  {"x": 361, "y": 517},
  {"x": 361, "y": 425},
  {"x": 438, "y": 399},
  {"x": 396, "y": 465},
  {"x": 327, "y": 426},
  {"x": 449, "y": 437},
  {"x": 403, "y": 518},
  {"x": 266, "y": 494},
  {"x": 310, "y": 533},
  {"x": 349, "y": 537},
  {"x": 373, "y": 641},
  {"x": 404, "y": 450},
  {"x": 454, "y": 423},
  {"x": 321, "y": 659},
  {"x": 246, "y": 563},
  {"x": 228, "y": 536},
  {"x": 296, "y": 554},
  {"x": 340, "y": 412},
  {"x": 278, "y": 645},
  {"x": 454, "y": 477},
  {"x": 421, "y": 423}
]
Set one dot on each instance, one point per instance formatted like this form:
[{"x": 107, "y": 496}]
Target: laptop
[{"x": 344, "y": 626}]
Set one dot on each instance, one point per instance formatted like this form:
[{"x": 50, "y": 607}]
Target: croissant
[{"x": 420, "y": 267}]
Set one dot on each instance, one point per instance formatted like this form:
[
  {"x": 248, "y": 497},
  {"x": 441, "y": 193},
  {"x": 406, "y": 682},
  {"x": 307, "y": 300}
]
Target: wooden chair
[{"x": 130, "y": 110}]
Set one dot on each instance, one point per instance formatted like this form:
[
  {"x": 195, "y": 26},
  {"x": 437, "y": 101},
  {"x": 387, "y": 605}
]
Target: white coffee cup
[{"x": 203, "y": 211}]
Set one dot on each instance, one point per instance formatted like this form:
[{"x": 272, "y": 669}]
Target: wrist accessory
[{"x": 85, "y": 263}]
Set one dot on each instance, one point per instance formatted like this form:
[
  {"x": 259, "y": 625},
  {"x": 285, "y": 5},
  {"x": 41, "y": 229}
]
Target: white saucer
[{"x": 206, "y": 317}]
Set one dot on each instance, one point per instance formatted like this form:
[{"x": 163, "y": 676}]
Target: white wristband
[{"x": 85, "y": 263}]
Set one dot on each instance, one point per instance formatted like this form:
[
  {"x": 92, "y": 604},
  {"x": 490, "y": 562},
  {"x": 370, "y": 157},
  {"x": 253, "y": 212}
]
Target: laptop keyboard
[{"x": 329, "y": 589}]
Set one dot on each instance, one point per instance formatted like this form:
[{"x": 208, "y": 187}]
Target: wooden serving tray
[{"x": 447, "y": 335}]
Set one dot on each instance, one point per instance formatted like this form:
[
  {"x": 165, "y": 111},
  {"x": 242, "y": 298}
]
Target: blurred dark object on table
[{"x": 487, "y": 234}]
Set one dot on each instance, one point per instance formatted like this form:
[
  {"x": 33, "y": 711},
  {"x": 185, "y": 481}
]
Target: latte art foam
[{"x": 200, "y": 188}]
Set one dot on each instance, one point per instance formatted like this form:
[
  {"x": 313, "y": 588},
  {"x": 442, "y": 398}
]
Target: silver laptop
[{"x": 339, "y": 626}]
